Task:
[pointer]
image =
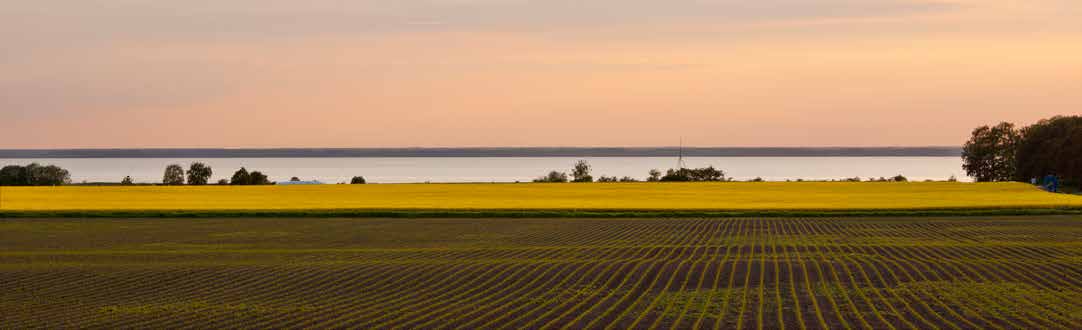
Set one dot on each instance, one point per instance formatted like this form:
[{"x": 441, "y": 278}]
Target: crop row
[{"x": 607, "y": 274}]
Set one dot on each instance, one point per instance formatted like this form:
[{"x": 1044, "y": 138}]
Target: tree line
[
  {"x": 581, "y": 172},
  {"x": 34, "y": 175},
  {"x": 1004, "y": 152}
]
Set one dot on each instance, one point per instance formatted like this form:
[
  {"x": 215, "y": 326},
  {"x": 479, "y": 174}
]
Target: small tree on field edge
[
  {"x": 241, "y": 177},
  {"x": 174, "y": 175},
  {"x": 199, "y": 174}
]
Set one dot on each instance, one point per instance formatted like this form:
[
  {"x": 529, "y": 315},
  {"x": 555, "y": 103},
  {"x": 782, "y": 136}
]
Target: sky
[{"x": 470, "y": 73}]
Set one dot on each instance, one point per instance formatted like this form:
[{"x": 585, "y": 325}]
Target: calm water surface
[{"x": 472, "y": 169}]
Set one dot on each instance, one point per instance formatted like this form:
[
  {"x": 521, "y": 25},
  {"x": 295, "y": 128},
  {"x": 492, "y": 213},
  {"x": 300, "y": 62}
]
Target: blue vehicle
[{"x": 1051, "y": 183}]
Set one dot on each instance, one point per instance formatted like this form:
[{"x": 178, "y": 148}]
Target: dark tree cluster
[
  {"x": 705, "y": 174},
  {"x": 198, "y": 174},
  {"x": 989, "y": 154},
  {"x": 580, "y": 172},
  {"x": 615, "y": 179},
  {"x": 1003, "y": 153},
  {"x": 256, "y": 178},
  {"x": 552, "y": 177},
  {"x": 358, "y": 180},
  {"x": 34, "y": 175}
]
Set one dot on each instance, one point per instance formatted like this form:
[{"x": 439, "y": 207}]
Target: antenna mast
[{"x": 680, "y": 164}]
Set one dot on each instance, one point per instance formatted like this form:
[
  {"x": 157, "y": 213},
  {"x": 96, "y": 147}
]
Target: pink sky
[{"x": 442, "y": 73}]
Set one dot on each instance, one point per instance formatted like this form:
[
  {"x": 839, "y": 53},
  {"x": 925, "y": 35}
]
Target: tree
[
  {"x": 704, "y": 174},
  {"x": 13, "y": 175},
  {"x": 34, "y": 175},
  {"x": 357, "y": 180},
  {"x": 655, "y": 176},
  {"x": 899, "y": 178},
  {"x": 174, "y": 175},
  {"x": 607, "y": 179},
  {"x": 258, "y": 178},
  {"x": 222, "y": 182},
  {"x": 50, "y": 175},
  {"x": 294, "y": 179},
  {"x": 199, "y": 174},
  {"x": 127, "y": 181},
  {"x": 628, "y": 179},
  {"x": 241, "y": 178},
  {"x": 1051, "y": 146},
  {"x": 553, "y": 177},
  {"x": 989, "y": 155},
  {"x": 581, "y": 172}
]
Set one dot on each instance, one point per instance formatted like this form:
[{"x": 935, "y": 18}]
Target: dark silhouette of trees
[
  {"x": 257, "y": 178},
  {"x": 174, "y": 175},
  {"x": 553, "y": 177},
  {"x": 13, "y": 175},
  {"x": 127, "y": 181},
  {"x": 358, "y": 180},
  {"x": 1051, "y": 146},
  {"x": 989, "y": 155},
  {"x": 704, "y": 174},
  {"x": 199, "y": 174},
  {"x": 34, "y": 175},
  {"x": 581, "y": 172},
  {"x": 241, "y": 178}
]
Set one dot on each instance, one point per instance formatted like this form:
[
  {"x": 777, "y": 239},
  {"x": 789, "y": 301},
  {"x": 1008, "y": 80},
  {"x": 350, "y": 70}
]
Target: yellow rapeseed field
[{"x": 567, "y": 196}]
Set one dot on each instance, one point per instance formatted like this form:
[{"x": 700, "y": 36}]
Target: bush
[
  {"x": 174, "y": 175},
  {"x": 358, "y": 180},
  {"x": 553, "y": 177},
  {"x": 756, "y": 179},
  {"x": 294, "y": 179},
  {"x": 628, "y": 179},
  {"x": 607, "y": 179},
  {"x": 899, "y": 178},
  {"x": 223, "y": 182},
  {"x": 127, "y": 181}
]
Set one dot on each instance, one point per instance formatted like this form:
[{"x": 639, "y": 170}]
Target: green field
[
  {"x": 619, "y": 199},
  {"x": 881, "y": 273}
]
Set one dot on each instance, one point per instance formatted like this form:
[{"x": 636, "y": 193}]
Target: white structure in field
[{"x": 299, "y": 182}]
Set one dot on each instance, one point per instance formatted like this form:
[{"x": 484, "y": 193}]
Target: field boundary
[{"x": 539, "y": 213}]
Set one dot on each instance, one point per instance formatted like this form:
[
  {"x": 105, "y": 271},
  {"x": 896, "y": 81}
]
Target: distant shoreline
[{"x": 487, "y": 152}]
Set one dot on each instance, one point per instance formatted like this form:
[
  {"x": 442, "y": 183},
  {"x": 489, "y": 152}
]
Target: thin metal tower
[{"x": 680, "y": 164}]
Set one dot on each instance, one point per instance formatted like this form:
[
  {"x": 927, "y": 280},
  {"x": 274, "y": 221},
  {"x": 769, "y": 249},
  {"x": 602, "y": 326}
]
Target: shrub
[
  {"x": 127, "y": 181},
  {"x": 899, "y": 178},
  {"x": 553, "y": 177},
  {"x": 358, "y": 180},
  {"x": 607, "y": 179}
]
